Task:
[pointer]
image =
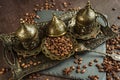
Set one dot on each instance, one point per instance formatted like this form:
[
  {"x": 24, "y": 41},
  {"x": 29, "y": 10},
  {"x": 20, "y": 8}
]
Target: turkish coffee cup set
[{"x": 26, "y": 40}]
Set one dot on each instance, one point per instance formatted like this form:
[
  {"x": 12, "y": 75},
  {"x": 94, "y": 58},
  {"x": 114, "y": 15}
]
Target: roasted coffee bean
[
  {"x": 78, "y": 67},
  {"x": 76, "y": 61},
  {"x": 83, "y": 71},
  {"x": 34, "y": 63},
  {"x": 76, "y": 56},
  {"x": 118, "y": 17},
  {"x": 117, "y": 78},
  {"x": 93, "y": 77},
  {"x": 84, "y": 66},
  {"x": 80, "y": 59},
  {"x": 113, "y": 9},
  {"x": 90, "y": 63},
  {"x": 2, "y": 71},
  {"x": 37, "y": 16},
  {"x": 101, "y": 70},
  {"x": 23, "y": 64},
  {"x": 31, "y": 62},
  {"x": 67, "y": 71},
  {"x": 65, "y": 4},
  {"x": 96, "y": 60},
  {"x": 98, "y": 66},
  {"x": 80, "y": 62},
  {"x": 39, "y": 62},
  {"x": 78, "y": 71},
  {"x": 59, "y": 46},
  {"x": 72, "y": 67}
]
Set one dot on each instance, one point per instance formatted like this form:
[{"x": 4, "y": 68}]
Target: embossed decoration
[
  {"x": 26, "y": 41},
  {"x": 84, "y": 25},
  {"x": 58, "y": 44},
  {"x": 56, "y": 27}
]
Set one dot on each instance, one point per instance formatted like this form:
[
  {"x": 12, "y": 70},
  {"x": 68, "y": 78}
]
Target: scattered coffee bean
[
  {"x": 96, "y": 60},
  {"x": 34, "y": 63},
  {"x": 113, "y": 9},
  {"x": 78, "y": 71},
  {"x": 67, "y": 71},
  {"x": 76, "y": 61},
  {"x": 80, "y": 62},
  {"x": 80, "y": 59},
  {"x": 78, "y": 67},
  {"x": 72, "y": 67},
  {"x": 76, "y": 56},
  {"x": 83, "y": 71},
  {"x": 37, "y": 16},
  {"x": 65, "y": 4},
  {"x": 31, "y": 62},
  {"x": 85, "y": 66},
  {"x": 47, "y": 79},
  {"x": 2, "y": 71},
  {"x": 39, "y": 62},
  {"x": 118, "y": 17},
  {"x": 23, "y": 64},
  {"x": 93, "y": 77},
  {"x": 90, "y": 63},
  {"x": 98, "y": 66},
  {"x": 101, "y": 70}
]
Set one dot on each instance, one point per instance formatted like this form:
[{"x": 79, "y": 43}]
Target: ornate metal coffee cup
[
  {"x": 53, "y": 44},
  {"x": 84, "y": 23},
  {"x": 26, "y": 41}
]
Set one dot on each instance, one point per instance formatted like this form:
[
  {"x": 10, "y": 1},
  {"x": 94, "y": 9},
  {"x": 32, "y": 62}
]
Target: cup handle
[{"x": 103, "y": 18}]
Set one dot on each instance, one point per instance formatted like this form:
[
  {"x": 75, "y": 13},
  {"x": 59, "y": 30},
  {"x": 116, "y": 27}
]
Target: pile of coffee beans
[
  {"x": 79, "y": 68},
  {"x": 29, "y": 18},
  {"x": 59, "y": 46},
  {"x": 111, "y": 66},
  {"x": 29, "y": 63}
]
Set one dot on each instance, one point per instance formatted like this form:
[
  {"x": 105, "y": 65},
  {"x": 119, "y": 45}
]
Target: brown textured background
[{"x": 12, "y": 10}]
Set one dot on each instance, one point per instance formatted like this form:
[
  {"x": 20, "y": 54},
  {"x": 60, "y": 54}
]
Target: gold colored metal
[
  {"x": 86, "y": 26},
  {"x": 56, "y": 27},
  {"x": 86, "y": 15},
  {"x": 48, "y": 54},
  {"x": 26, "y": 41},
  {"x": 28, "y": 36}
]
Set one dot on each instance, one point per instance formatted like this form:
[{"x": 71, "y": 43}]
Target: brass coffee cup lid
[
  {"x": 86, "y": 15},
  {"x": 56, "y": 27},
  {"x": 26, "y": 32}
]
